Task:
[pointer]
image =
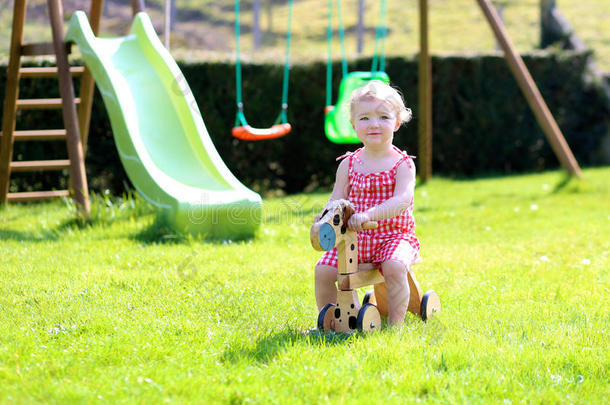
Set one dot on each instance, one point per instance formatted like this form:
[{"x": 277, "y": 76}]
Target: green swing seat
[{"x": 337, "y": 123}]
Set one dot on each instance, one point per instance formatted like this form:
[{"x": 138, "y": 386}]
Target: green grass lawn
[{"x": 123, "y": 311}]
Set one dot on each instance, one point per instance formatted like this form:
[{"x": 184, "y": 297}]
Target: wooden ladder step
[
  {"x": 41, "y": 103},
  {"x": 48, "y": 71},
  {"x": 42, "y": 48},
  {"x": 39, "y": 165},
  {"x": 36, "y": 195},
  {"x": 39, "y": 135}
]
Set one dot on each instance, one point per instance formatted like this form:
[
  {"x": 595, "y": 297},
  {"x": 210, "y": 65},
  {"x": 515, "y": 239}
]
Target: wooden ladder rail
[{"x": 76, "y": 123}]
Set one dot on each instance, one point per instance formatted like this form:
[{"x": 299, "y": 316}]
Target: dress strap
[
  {"x": 405, "y": 156},
  {"x": 352, "y": 156}
]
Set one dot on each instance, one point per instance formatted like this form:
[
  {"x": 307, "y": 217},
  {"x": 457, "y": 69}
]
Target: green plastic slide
[
  {"x": 160, "y": 135},
  {"x": 337, "y": 125}
]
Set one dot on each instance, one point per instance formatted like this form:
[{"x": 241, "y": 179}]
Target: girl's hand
[{"x": 355, "y": 221}]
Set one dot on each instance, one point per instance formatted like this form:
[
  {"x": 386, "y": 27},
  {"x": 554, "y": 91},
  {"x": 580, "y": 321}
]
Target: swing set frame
[{"x": 520, "y": 72}]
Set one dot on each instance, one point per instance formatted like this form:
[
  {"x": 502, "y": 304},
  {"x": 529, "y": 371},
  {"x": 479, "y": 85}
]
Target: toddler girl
[{"x": 379, "y": 180}]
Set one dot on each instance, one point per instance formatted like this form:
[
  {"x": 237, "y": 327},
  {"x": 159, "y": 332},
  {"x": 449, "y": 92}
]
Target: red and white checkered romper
[{"x": 394, "y": 238}]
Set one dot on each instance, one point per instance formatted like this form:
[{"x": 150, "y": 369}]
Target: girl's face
[{"x": 374, "y": 121}]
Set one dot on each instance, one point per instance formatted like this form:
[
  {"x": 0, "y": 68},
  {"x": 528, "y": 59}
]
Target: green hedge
[{"x": 482, "y": 123}]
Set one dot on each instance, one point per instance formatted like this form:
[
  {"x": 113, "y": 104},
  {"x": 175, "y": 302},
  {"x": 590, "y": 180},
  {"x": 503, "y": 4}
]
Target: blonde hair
[{"x": 376, "y": 89}]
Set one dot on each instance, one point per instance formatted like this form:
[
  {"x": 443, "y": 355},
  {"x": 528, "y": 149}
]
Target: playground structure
[
  {"x": 77, "y": 121},
  {"x": 524, "y": 80},
  {"x": 347, "y": 315},
  {"x": 242, "y": 130},
  {"x": 158, "y": 130},
  {"x": 160, "y": 135}
]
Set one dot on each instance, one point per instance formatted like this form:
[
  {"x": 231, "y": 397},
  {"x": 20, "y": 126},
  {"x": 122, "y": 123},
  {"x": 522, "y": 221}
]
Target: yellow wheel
[
  {"x": 430, "y": 305},
  {"x": 369, "y": 319},
  {"x": 325, "y": 318}
]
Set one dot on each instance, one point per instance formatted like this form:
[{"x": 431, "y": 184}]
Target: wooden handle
[{"x": 370, "y": 225}]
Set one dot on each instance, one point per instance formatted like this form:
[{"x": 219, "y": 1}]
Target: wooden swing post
[
  {"x": 531, "y": 93},
  {"x": 424, "y": 121}
]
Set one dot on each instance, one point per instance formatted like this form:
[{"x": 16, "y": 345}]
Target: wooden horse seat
[{"x": 369, "y": 274}]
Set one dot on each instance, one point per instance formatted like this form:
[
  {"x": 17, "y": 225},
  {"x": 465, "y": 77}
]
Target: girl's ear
[{"x": 398, "y": 123}]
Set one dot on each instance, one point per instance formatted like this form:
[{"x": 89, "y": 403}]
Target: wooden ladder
[{"x": 76, "y": 124}]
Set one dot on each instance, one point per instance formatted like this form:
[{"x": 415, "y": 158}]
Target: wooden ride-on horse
[{"x": 347, "y": 315}]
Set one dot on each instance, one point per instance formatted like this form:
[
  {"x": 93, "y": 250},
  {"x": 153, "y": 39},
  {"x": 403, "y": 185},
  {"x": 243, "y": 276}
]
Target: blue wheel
[
  {"x": 325, "y": 318},
  {"x": 430, "y": 305},
  {"x": 369, "y": 319}
]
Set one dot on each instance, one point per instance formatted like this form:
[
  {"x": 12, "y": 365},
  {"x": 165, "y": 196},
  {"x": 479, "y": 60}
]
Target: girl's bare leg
[
  {"x": 395, "y": 274},
  {"x": 326, "y": 291}
]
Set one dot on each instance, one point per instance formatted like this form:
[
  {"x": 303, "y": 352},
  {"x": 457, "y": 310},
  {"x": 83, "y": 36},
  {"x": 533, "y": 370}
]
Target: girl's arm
[
  {"x": 341, "y": 187},
  {"x": 393, "y": 206}
]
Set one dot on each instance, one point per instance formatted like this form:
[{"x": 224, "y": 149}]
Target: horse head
[{"x": 331, "y": 228}]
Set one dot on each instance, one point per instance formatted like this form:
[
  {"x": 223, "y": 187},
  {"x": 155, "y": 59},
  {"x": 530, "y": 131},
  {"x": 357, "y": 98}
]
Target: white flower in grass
[
  {"x": 516, "y": 209},
  {"x": 544, "y": 259},
  {"x": 534, "y": 207},
  {"x": 586, "y": 262}
]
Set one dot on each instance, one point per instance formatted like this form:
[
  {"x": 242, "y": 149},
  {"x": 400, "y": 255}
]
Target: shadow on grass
[
  {"x": 159, "y": 232},
  {"x": 9, "y": 234},
  {"x": 563, "y": 183},
  {"x": 271, "y": 345},
  {"x": 572, "y": 185}
]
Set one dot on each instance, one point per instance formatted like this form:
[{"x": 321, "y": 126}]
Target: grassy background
[
  {"x": 204, "y": 28},
  {"x": 123, "y": 311}
]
